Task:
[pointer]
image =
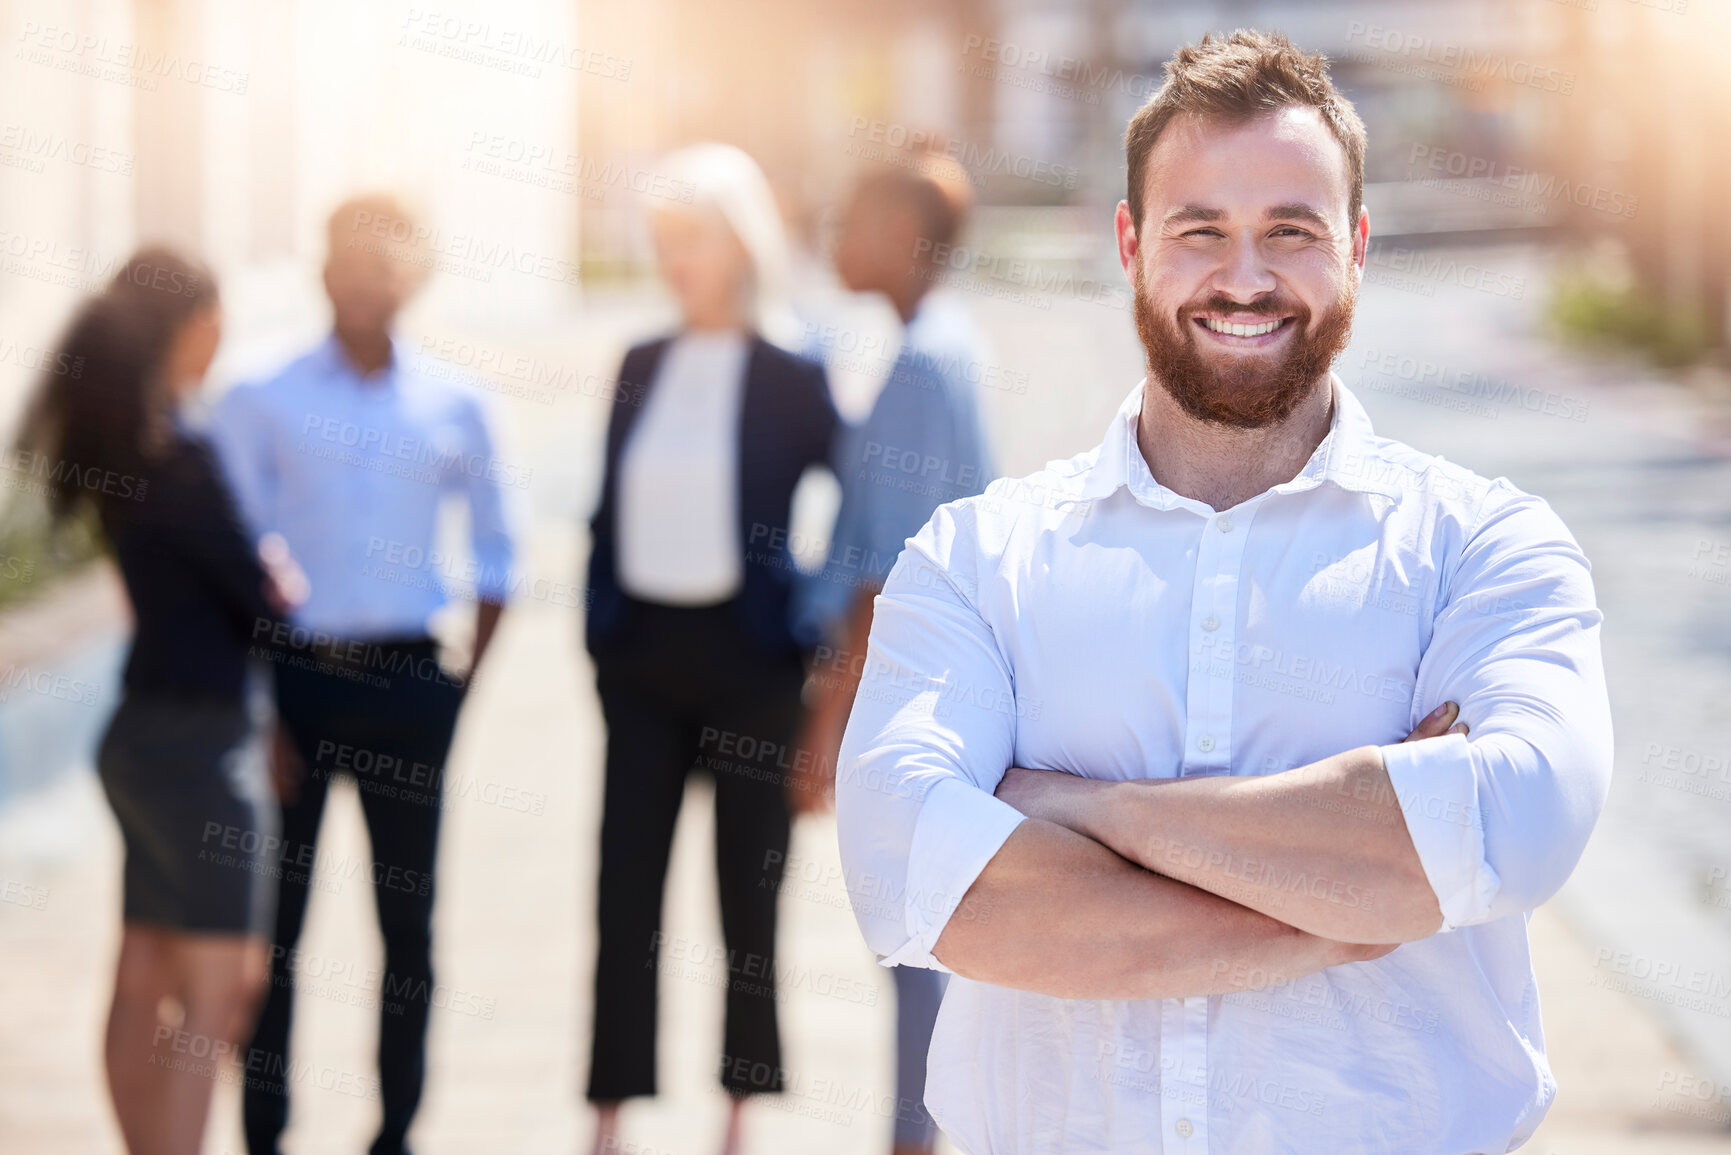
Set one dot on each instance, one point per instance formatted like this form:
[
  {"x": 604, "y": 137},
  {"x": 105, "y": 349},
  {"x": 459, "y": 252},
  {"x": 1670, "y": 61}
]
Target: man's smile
[{"x": 1244, "y": 332}]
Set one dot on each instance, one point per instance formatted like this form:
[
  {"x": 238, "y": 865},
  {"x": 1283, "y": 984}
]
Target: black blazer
[{"x": 787, "y": 422}]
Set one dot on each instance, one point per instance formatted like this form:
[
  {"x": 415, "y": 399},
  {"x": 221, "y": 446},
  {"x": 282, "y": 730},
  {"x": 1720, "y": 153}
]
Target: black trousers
[
  {"x": 683, "y": 690},
  {"x": 393, "y": 740}
]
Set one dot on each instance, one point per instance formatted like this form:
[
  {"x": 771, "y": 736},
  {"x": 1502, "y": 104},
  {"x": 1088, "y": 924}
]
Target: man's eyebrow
[
  {"x": 1296, "y": 212},
  {"x": 1188, "y": 213}
]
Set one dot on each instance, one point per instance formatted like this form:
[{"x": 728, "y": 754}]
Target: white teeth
[{"x": 1233, "y": 330}]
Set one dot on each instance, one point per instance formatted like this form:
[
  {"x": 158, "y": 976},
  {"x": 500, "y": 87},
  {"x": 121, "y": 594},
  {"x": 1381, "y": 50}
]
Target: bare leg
[
  {"x": 731, "y": 1142},
  {"x": 606, "y": 1128},
  {"x": 182, "y": 1005},
  {"x": 143, "y": 979},
  {"x": 221, "y": 978}
]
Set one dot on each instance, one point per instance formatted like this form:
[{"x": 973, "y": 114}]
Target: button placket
[{"x": 1213, "y": 641}]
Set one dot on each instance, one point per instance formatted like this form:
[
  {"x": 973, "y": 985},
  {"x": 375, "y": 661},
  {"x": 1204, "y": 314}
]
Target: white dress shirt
[
  {"x": 679, "y": 476},
  {"x": 1088, "y": 619},
  {"x": 352, "y": 472}
]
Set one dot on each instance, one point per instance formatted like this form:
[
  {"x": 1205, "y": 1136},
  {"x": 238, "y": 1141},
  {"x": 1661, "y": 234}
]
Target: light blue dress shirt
[
  {"x": 922, "y": 446},
  {"x": 352, "y": 473}
]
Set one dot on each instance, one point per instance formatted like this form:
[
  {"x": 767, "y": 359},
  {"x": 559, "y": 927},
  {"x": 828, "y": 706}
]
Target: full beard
[{"x": 1248, "y": 391}]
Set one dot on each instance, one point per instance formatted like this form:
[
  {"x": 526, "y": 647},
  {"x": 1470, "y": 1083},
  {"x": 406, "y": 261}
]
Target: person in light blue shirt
[
  {"x": 350, "y": 454},
  {"x": 922, "y": 446}
]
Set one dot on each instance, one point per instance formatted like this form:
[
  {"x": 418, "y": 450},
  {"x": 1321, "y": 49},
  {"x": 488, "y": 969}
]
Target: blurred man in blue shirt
[
  {"x": 922, "y": 446},
  {"x": 349, "y": 454}
]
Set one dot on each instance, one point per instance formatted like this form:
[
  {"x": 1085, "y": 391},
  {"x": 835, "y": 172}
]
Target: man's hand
[
  {"x": 286, "y": 768},
  {"x": 285, "y": 584},
  {"x": 811, "y": 787}
]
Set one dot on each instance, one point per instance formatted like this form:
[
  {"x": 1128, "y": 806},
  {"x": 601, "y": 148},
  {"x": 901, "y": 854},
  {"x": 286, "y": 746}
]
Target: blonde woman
[{"x": 690, "y": 577}]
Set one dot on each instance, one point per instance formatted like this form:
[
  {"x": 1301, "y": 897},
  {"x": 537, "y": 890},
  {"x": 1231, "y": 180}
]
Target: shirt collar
[
  {"x": 337, "y": 367},
  {"x": 1347, "y": 456}
]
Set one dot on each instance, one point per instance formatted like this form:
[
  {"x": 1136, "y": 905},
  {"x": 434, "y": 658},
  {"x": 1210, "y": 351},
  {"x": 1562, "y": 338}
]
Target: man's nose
[{"x": 1243, "y": 276}]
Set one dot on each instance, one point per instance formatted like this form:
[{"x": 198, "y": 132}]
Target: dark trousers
[
  {"x": 682, "y": 690},
  {"x": 393, "y": 740}
]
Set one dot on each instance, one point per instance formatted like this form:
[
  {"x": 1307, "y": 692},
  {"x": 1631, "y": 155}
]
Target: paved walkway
[{"x": 515, "y": 910}]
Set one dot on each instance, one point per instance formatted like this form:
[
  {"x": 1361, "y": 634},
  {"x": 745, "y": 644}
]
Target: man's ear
[
  {"x": 1128, "y": 245},
  {"x": 1361, "y": 238}
]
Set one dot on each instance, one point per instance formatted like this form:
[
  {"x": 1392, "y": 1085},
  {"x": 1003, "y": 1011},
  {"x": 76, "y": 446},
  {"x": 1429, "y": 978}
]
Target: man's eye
[
  {"x": 1203, "y": 233},
  {"x": 1291, "y": 231}
]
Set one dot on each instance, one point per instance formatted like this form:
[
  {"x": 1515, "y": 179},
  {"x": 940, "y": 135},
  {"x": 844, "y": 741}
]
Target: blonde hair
[{"x": 726, "y": 180}]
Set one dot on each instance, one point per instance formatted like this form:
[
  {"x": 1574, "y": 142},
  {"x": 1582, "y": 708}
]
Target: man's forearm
[
  {"x": 1058, "y": 913},
  {"x": 1323, "y": 847}
]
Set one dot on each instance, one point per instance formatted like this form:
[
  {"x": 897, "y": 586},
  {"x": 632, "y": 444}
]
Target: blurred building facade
[{"x": 528, "y": 130}]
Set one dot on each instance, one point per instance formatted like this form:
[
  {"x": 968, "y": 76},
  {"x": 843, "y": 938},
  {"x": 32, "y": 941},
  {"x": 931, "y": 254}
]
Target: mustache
[{"x": 1262, "y": 307}]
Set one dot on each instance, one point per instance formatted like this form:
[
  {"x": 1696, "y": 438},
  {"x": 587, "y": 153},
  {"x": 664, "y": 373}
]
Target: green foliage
[
  {"x": 34, "y": 553},
  {"x": 1591, "y": 312}
]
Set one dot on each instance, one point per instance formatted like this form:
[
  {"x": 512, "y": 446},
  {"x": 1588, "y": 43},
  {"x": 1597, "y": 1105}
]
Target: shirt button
[
  {"x": 1224, "y": 523},
  {"x": 1211, "y": 623},
  {"x": 1184, "y": 1128},
  {"x": 1205, "y": 743}
]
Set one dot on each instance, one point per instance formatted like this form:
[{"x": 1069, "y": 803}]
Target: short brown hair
[
  {"x": 1238, "y": 78},
  {"x": 381, "y": 215}
]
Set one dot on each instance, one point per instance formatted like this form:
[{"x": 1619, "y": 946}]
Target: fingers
[{"x": 1435, "y": 724}]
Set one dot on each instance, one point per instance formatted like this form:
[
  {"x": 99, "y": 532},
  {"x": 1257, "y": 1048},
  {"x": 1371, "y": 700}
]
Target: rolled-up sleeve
[
  {"x": 489, "y": 514},
  {"x": 930, "y": 737},
  {"x": 1500, "y": 818}
]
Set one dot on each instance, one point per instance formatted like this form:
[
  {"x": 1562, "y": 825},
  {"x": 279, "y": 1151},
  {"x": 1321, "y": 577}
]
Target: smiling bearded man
[{"x": 1164, "y": 751}]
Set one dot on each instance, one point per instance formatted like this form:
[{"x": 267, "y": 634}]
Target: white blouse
[{"x": 679, "y": 476}]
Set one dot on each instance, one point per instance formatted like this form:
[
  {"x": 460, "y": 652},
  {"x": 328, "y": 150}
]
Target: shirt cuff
[
  {"x": 959, "y": 829},
  {"x": 1438, "y": 792}
]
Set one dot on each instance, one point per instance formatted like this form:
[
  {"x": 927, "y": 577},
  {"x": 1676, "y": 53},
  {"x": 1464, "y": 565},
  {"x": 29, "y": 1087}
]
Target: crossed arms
[
  {"x": 1167, "y": 888},
  {"x": 1084, "y": 888}
]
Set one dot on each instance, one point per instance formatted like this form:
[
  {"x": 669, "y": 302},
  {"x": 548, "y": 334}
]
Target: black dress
[{"x": 182, "y": 761}]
